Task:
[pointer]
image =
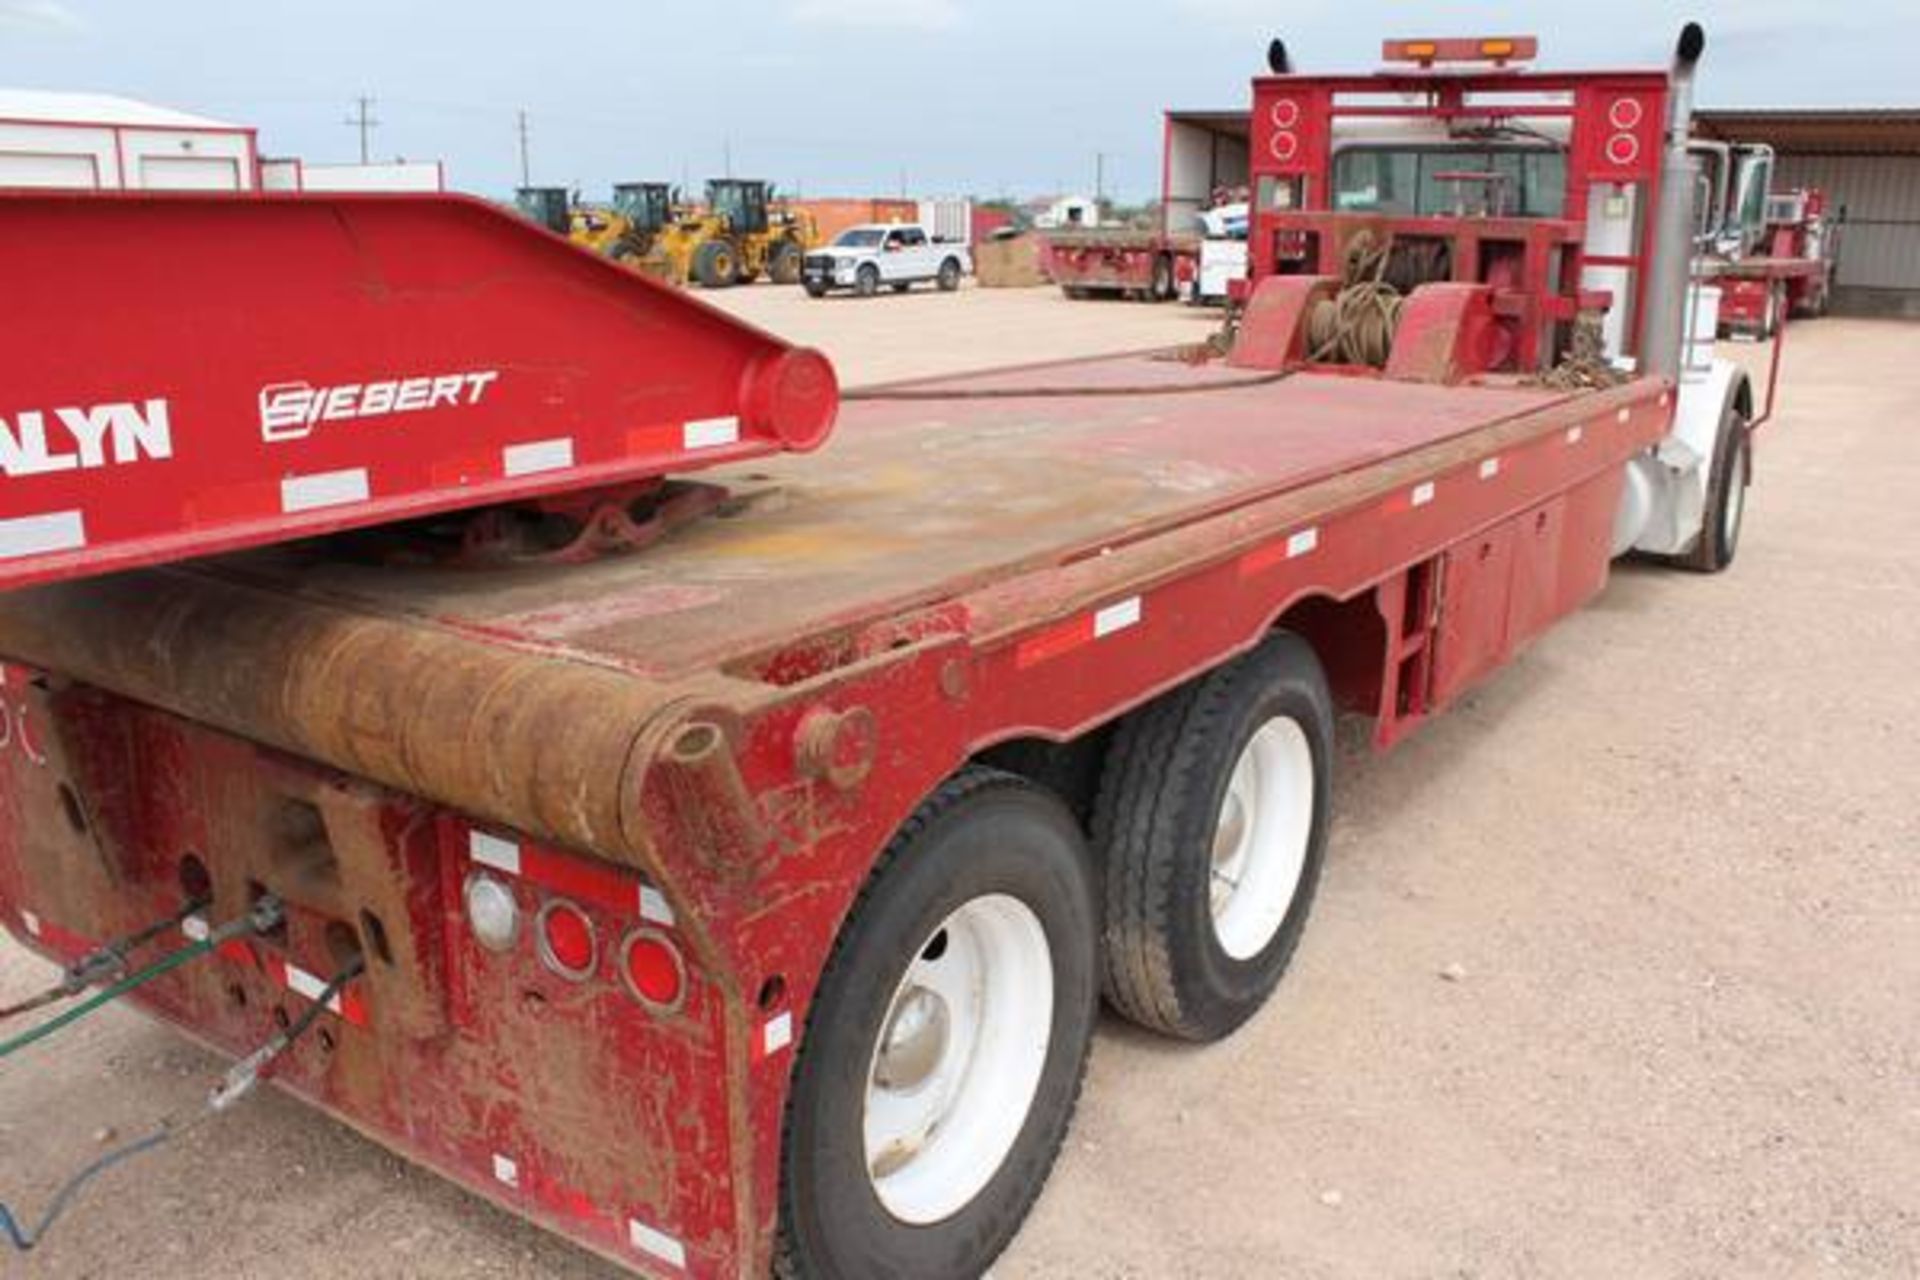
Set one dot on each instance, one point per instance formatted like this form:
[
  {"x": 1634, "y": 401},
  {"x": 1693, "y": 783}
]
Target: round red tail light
[
  {"x": 567, "y": 941},
  {"x": 654, "y": 972}
]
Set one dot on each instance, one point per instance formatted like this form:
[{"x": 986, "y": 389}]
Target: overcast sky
[{"x": 847, "y": 96}]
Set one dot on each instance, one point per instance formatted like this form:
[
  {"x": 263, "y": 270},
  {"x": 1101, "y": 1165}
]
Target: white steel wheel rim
[
  {"x": 958, "y": 1059},
  {"x": 1260, "y": 837},
  {"x": 1735, "y": 508}
]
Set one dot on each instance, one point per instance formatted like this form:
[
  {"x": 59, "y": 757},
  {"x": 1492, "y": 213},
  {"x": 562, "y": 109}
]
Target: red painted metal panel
[{"x": 206, "y": 372}]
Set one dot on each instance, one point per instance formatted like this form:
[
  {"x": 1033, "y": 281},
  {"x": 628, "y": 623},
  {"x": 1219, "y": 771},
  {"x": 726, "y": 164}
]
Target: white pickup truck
[{"x": 899, "y": 255}]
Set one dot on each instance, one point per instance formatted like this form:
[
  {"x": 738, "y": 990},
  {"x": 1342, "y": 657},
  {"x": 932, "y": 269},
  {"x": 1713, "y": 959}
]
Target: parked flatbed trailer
[
  {"x": 724, "y": 872},
  {"x": 1149, "y": 266}
]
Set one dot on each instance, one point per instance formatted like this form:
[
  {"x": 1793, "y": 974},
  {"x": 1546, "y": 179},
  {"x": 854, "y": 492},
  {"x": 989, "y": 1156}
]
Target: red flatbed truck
[{"x": 724, "y": 873}]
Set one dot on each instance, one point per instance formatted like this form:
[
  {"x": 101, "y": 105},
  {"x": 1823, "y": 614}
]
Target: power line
[{"x": 363, "y": 120}]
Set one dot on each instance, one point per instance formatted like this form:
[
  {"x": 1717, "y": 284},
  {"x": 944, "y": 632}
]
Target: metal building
[
  {"x": 97, "y": 141},
  {"x": 1868, "y": 163}
]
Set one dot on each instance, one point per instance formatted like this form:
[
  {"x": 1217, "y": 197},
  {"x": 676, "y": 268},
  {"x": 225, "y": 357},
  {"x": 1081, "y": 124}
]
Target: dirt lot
[{"x": 1615, "y": 970}]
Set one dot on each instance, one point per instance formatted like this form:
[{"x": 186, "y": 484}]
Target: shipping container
[
  {"x": 835, "y": 214},
  {"x": 948, "y": 219}
]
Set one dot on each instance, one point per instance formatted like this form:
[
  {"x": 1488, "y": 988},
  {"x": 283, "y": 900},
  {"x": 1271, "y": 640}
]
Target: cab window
[{"x": 1528, "y": 182}]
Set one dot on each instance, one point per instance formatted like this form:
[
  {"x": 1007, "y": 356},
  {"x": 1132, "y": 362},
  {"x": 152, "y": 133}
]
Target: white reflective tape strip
[
  {"x": 196, "y": 928},
  {"x": 492, "y": 851},
  {"x": 37, "y": 535},
  {"x": 324, "y": 489},
  {"x": 302, "y": 983},
  {"x": 658, "y": 1243},
  {"x": 1622, "y": 416},
  {"x": 710, "y": 433},
  {"x": 1574, "y": 434},
  {"x": 505, "y": 1171},
  {"x": 777, "y": 1034},
  {"x": 537, "y": 455},
  {"x": 654, "y": 906},
  {"x": 31, "y": 921},
  {"x": 1116, "y": 617},
  {"x": 1302, "y": 542},
  {"x": 1422, "y": 494},
  {"x": 1489, "y": 468}
]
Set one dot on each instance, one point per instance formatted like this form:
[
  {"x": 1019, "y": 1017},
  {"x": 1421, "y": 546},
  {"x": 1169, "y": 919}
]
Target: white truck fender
[{"x": 1665, "y": 498}]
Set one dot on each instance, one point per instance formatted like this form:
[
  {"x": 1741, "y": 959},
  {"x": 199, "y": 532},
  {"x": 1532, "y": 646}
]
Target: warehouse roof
[
  {"x": 1822, "y": 130},
  {"x": 1229, "y": 121},
  {"x": 46, "y": 106}
]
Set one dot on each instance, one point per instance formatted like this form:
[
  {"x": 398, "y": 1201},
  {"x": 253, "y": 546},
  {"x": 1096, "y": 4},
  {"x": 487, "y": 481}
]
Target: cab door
[{"x": 895, "y": 259}]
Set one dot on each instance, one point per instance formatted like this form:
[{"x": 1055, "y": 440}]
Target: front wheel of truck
[{"x": 946, "y": 1044}]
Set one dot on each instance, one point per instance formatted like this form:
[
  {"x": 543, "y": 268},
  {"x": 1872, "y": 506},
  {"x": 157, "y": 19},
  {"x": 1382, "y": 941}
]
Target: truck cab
[
  {"x": 549, "y": 207},
  {"x": 1455, "y": 166}
]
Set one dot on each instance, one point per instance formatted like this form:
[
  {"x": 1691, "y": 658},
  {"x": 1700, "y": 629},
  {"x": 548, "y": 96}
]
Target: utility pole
[
  {"x": 1099, "y": 179},
  {"x": 526, "y": 163},
  {"x": 362, "y": 119}
]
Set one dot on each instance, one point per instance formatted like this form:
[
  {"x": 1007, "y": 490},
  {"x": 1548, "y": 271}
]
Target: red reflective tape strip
[
  {"x": 1409, "y": 499},
  {"x": 234, "y": 502},
  {"x": 1062, "y": 637},
  {"x": 348, "y": 1003},
  {"x": 468, "y": 468},
  {"x": 577, "y": 878},
  {"x": 237, "y": 950},
  {"x": 1296, "y": 544},
  {"x": 664, "y": 437},
  {"x": 62, "y": 940}
]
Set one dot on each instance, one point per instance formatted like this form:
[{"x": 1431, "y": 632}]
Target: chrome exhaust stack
[{"x": 1672, "y": 267}]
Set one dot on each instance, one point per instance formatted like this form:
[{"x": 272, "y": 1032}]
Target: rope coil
[{"x": 1356, "y": 325}]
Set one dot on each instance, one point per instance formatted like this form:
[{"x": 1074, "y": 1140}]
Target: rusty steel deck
[{"x": 921, "y": 501}]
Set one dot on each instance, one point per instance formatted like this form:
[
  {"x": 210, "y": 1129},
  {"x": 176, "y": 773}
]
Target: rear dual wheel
[
  {"x": 947, "y": 1043},
  {"x": 1210, "y": 830}
]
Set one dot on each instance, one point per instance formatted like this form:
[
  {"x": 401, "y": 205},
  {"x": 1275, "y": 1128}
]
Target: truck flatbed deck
[{"x": 925, "y": 501}]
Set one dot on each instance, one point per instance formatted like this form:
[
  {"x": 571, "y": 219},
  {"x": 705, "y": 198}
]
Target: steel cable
[
  {"x": 240, "y": 1080},
  {"x": 264, "y": 916}
]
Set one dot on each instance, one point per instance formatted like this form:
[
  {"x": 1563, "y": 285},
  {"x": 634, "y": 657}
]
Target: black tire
[
  {"x": 1163, "y": 287},
  {"x": 1154, "y": 826},
  {"x": 982, "y": 833},
  {"x": 1725, "y": 513},
  {"x": 866, "y": 281},
  {"x": 817, "y": 288},
  {"x": 715, "y": 265},
  {"x": 784, "y": 266},
  {"x": 949, "y": 277}
]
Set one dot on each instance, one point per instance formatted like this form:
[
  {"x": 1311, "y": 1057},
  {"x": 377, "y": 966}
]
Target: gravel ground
[{"x": 1615, "y": 969}]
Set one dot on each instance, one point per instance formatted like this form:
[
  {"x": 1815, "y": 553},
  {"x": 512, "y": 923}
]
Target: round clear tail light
[
  {"x": 568, "y": 943},
  {"x": 651, "y": 967},
  {"x": 492, "y": 912}
]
